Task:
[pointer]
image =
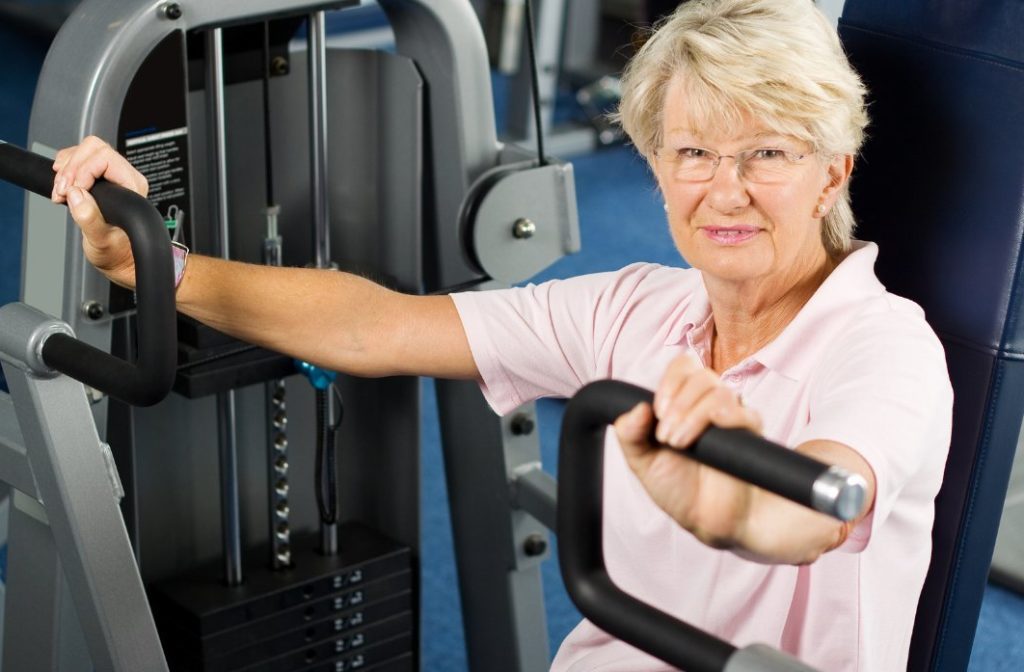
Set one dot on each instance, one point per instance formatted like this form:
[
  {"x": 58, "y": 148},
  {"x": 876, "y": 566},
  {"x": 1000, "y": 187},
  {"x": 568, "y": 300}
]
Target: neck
[{"x": 748, "y": 316}]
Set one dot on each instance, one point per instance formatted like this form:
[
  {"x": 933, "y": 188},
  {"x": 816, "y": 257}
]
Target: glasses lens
[
  {"x": 768, "y": 166},
  {"x": 691, "y": 164}
]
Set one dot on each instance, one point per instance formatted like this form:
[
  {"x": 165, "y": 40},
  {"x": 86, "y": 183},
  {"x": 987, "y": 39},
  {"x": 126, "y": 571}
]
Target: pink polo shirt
[{"x": 857, "y": 365}]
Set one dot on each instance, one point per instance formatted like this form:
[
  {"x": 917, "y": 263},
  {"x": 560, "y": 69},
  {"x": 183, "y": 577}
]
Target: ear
[{"x": 838, "y": 175}]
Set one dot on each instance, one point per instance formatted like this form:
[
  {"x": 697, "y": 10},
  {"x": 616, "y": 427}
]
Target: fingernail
[
  {"x": 662, "y": 432},
  {"x": 62, "y": 185},
  {"x": 681, "y": 436},
  {"x": 74, "y": 197}
]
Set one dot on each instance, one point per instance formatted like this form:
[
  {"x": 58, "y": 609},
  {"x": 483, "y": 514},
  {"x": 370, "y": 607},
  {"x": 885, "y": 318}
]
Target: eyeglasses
[{"x": 765, "y": 165}]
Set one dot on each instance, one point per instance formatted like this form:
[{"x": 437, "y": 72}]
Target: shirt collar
[{"x": 792, "y": 353}]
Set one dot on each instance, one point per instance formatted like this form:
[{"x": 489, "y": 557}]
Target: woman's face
[{"x": 751, "y": 223}]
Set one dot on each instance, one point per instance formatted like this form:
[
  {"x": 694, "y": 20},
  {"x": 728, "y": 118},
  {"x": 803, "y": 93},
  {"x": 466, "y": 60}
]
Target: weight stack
[{"x": 353, "y": 611}]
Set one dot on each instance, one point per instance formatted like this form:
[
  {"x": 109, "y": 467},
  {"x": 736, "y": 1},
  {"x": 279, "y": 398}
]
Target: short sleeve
[
  {"x": 883, "y": 389},
  {"x": 542, "y": 340}
]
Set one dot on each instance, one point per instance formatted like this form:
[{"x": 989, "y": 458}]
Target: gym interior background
[{"x": 621, "y": 222}]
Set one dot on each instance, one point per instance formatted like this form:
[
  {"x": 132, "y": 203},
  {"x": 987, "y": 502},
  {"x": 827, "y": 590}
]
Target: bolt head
[
  {"x": 535, "y": 545},
  {"x": 172, "y": 11},
  {"x": 522, "y": 425},
  {"x": 279, "y": 65},
  {"x": 524, "y": 228},
  {"x": 94, "y": 310}
]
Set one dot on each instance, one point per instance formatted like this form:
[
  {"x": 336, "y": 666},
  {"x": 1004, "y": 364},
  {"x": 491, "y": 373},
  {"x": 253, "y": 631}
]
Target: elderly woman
[{"x": 750, "y": 117}]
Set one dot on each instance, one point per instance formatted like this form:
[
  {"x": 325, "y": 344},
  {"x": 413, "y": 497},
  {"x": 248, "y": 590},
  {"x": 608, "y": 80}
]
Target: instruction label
[{"x": 163, "y": 158}]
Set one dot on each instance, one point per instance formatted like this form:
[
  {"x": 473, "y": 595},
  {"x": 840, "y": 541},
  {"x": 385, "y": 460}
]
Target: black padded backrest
[{"x": 940, "y": 188}]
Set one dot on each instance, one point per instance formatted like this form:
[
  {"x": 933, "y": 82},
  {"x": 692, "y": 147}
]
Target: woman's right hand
[{"x": 77, "y": 169}]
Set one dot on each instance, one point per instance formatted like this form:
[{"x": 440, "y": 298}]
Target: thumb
[
  {"x": 87, "y": 214},
  {"x": 634, "y": 428},
  {"x": 106, "y": 247}
]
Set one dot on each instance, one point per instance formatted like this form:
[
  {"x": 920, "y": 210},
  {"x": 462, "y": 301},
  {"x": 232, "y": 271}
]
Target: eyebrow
[{"x": 700, "y": 136}]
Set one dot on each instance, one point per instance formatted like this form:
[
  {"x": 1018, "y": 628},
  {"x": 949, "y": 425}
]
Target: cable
[
  {"x": 326, "y": 455},
  {"x": 534, "y": 84}
]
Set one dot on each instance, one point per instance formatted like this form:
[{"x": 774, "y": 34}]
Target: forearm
[
  {"x": 778, "y": 531},
  {"x": 335, "y": 320},
  {"x": 787, "y": 532}
]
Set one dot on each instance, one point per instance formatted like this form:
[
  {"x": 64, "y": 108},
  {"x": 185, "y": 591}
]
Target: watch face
[{"x": 180, "y": 253}]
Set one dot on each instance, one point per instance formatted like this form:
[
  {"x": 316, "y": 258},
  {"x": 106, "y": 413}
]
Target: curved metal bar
[{"x": 148, "y": 380}]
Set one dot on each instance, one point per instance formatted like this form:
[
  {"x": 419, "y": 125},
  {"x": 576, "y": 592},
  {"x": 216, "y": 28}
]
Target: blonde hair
[{"x": 779, "y": 61}]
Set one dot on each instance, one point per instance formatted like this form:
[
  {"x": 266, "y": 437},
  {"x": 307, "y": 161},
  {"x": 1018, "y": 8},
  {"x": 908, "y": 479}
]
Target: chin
[{"x": 732, "y": 265}]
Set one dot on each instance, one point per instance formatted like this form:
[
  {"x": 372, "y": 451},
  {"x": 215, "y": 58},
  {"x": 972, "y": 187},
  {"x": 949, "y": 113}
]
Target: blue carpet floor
[{"x": 621, "y": 222}]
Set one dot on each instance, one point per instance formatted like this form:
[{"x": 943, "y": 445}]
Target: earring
[
  {"x": 820, "y": 209},
  {"x": 665, "y": 205}
]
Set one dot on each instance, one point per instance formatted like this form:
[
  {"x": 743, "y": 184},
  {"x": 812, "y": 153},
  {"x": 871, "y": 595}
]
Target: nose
[{"x": 727, "y": 191}]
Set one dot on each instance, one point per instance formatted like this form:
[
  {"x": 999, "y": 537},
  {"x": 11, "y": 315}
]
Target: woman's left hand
[{"x": 709, "y": 503}]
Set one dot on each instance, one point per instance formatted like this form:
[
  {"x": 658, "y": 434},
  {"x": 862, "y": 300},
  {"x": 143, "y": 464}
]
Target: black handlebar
[
  {"x": 580, "y": 508},
  {"x": 150, "y": 378}
]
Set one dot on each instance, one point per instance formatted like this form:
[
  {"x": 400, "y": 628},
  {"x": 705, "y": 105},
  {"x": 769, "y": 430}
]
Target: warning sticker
[{"x": 163, "y": 158}]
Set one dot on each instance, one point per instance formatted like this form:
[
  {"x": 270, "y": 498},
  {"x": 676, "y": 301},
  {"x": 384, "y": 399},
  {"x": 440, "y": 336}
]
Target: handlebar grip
[
  {"x": 148, "y": 380},
  {"x": 580, "y": 508}
]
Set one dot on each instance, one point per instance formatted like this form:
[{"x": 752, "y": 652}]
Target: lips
[{"x": 730, "y": 235}]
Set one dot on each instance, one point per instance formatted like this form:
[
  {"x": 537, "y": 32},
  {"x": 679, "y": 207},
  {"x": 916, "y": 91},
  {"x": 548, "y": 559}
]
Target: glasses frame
[{"x": 739, "y": 158}]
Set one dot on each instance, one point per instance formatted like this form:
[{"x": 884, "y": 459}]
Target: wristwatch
[{"x": 180, "y": 254}]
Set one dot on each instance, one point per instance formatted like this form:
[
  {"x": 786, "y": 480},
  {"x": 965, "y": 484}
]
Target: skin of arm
[
  {"x": 335, "y": 320},
  {"x": 721, "y": 511}
]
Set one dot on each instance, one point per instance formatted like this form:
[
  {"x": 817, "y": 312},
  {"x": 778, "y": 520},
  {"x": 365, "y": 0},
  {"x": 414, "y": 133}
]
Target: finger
[
  {"x": 95, "y": 159},
  {"x": 59, "y": 161},
  {"x": 88, "y": 162},
  {"x": 61, "y": 158},
  {"x": 736, "y": 416},
  {"x": 678, "y": 408},
  {"x": 633, "y": 429},
  {"x": 676, "y": 374},
  {"x": 699, "y": 416}
]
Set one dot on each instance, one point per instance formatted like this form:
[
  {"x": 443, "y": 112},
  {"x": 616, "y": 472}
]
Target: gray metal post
[
  {"x": 498, "y": 548},
  {"x": 318, "y": 139},
  {"x": 227, "y": 430},
  {"x": 321, "y": 213}
]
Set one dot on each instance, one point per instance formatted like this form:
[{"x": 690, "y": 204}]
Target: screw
[
  {"x": 522, "y": 425},
  {"x": 172, "y": 11},
  {"x": 279, "y": 65},
  {"x": 93, "y": 310},
  {"x": 524, "y": 228},
  {"x": 535, "y": 545}
]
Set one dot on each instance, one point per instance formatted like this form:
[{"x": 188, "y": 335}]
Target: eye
[
  {"x": 768, "y": 154},
  {"x": 692, "y": 153}
]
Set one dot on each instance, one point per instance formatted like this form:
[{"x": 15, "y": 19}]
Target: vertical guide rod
[
  {"x": 227, "y": 433},
  {"x": 318, "y": 138},
  {"x": 321, "y": 213}
]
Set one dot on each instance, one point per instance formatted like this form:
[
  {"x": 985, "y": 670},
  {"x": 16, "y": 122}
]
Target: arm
[
  {"x": 335, "y": 320},
  {"x": 718, "y": 509}
]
